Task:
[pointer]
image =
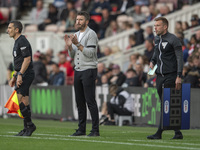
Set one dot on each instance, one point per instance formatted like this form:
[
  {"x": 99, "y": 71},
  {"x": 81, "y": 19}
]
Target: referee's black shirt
[{"x": 22, "y": 49}]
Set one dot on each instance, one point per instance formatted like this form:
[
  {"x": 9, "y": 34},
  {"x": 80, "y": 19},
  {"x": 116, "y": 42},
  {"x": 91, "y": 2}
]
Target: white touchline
[
  {"x": 105, "y": 142},
  {"x": 160, "y": 141}
]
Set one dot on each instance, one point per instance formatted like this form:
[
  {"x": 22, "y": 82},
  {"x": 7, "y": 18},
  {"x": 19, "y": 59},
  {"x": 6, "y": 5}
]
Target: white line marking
[
  {"x": 160, "y": 141},
  {"x": 105, "y": 142}
]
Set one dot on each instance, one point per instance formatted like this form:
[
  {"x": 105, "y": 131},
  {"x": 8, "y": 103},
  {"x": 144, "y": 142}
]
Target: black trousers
[
  {"x": 116, "y": 109},
  {"x": 84, "y": 85},
  {"x": 160, "y": 80}
]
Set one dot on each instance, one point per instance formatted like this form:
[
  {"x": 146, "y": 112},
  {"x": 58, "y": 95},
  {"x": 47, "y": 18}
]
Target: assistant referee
[{"x": 23, "y": 75}]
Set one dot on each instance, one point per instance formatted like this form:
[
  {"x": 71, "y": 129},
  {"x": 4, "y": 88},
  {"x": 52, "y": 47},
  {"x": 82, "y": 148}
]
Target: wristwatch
[
  {"x": 19, "y": 73},
  {"x": 78, "y": 44}
]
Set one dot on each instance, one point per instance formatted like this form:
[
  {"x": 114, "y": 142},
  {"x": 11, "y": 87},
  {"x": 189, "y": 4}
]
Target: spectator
[
  {"x": 164, "y": 10},
  {"x": 51, "y": 19},
  {"x": 136, "y": 14},
  {"x": 142, "y": 59},
  {"x": 193, "y": 76},
  {"x": 49, "y": 57},
  {"x": 119, "y": 7},
  {"x": 193, "y": 42},
  {"x": 94, "y": 26},
  {"x": 38, "y": 14},
  {"x": 67, "y": 68},
  {"x": 194, "y": 21},
  {"x": 40, "y": 70},
  {"x": 57, "y": 77},
  {"x": 69, "y": 25},
  {"x": 104, "y": 23},
  {"x": 117, "y": 77},
  {"x": 100, "y": 72},
  {"x": 10, "y": 71},
  {"x": 131, "y": 78},
  {"x": 126, "y": 25},
  {"x": 153, "y": 12},
  {"x": 107, "y": 51},
  {"x": 198, "y": 36},
  {"x": 141, "y": 75},
  {"x": 151, "y": 82},
  {"x": 185, "y": 25},
  {"x": 99, "y": 6},
  {"x": 104, "y": 80},
  {"x": 178, "y": 27},
  {"x": 184, "y": 42},
  {"x": 121, "y": 103},
  {"x": 132, "y": 42},
  {"x": 87, "y": 5},
  {"x": 133, "y": 59},
  {"x": 149, "y": 49},
  {"x": 138, "y": 33},
  {"x": 65, "y": 12},
  {"x": 185, "y": 71},
  {"x": 149, "y": 32},
  {"x": 13, "y": 6},
  {"x": 112, "y": 29}
]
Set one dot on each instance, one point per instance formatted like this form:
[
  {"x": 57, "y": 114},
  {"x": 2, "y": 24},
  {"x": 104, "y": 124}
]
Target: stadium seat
[
  {"x": 119, "y": 120},
  {"x": 51, "y": 28},
  {"x": 31, "y": 28},
  {"x": 5, "y": 14}
]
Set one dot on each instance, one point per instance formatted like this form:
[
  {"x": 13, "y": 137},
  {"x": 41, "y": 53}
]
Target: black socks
[{"x": 26, "y": 112}]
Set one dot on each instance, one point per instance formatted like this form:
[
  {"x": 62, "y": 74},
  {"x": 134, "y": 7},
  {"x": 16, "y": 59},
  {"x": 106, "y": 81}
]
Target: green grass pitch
[{"x": 54, "y": 135}]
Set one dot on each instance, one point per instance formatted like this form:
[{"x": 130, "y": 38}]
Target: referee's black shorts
[{"x": 27, "y": 79}]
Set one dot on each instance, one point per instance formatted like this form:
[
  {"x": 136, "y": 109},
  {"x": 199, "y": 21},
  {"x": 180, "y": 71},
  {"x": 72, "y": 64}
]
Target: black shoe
[
  {"x": 103, "y": 120},
  {"x": 78, "y": 133},
  {"x": 178, "y": 136},
  {"x": 21, "y": 132},
  {"x": 29, "y": 130},
  {"x": 154, "y": 137},
  {"x": 94, "y": 134},
  {"x": 109, "y": 123}
]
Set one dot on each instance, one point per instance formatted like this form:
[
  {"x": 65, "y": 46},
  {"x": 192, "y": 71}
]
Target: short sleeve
[{"x": 25, "y": 48}]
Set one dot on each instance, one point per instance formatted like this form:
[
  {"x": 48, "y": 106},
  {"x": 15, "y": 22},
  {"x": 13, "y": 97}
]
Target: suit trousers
[{"x": 84, "y": 86}]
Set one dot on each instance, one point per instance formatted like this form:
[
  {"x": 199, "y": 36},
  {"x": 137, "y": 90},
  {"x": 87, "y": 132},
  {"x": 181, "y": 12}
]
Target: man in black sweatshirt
[{"x": 169, "y": 58}]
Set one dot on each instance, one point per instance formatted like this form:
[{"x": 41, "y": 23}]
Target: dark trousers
[
  {"x": 84, "y": 85},
  {"x": 116, "y": 109},
  {"x": 160, "y": 81}
]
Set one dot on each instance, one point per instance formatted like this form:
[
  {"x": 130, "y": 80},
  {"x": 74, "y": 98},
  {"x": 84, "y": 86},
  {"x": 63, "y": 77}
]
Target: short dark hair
[
  {"x": 150, "y": 41},
  {"x": 55, "y": 64},
  {"x": 17, "y": 24},
  {"x": 163, "y": 19},
  {"x": 131, "y": 70},
  {"x": 85, "y": 14}
]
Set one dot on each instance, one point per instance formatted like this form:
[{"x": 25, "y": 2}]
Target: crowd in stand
[{"x": 108, "y": 18}]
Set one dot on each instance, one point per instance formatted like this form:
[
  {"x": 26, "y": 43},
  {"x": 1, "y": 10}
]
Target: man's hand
[
  {"x": 74, "y": 39},
  {"x": 19, "y": 80},
  {"x": 151, "y": 65},
  {"x": 178, "y": 83},
  {"x": 68, "y": 41},
  {"x": 12, "y": 82}
]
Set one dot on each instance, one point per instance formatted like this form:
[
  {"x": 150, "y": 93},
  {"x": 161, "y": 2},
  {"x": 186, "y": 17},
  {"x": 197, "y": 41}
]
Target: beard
[{"x": 81, "y": 27}]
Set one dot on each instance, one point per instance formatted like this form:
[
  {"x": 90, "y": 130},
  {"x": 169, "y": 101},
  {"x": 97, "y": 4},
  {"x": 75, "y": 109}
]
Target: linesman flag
[{"x": 13, "y": 104}]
